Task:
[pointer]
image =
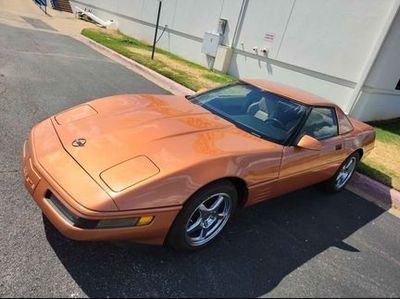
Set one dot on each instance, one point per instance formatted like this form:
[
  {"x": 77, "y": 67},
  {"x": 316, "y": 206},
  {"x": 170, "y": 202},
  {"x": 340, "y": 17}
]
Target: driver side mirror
[{"x": 310, "y": 143}]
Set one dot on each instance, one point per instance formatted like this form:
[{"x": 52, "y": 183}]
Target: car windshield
[{"x": 256, "y": 111}]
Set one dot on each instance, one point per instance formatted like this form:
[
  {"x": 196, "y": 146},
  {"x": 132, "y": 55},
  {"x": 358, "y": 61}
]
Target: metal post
[{"x": 155, "y": 33}]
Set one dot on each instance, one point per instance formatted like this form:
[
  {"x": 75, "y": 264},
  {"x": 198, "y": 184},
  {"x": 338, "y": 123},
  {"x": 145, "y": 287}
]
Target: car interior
[{"x": 265, "y": 113}]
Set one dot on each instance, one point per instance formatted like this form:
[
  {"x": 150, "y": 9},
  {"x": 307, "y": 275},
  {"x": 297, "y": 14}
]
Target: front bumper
[{"x": 42, "y": 186}]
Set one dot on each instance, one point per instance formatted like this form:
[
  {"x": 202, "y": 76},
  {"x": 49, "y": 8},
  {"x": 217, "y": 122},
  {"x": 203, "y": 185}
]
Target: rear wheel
[
  {"x": 203, "y": 217},
  {"x": 344, "y": 174}
]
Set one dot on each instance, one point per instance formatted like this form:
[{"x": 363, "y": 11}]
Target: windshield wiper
[{"x": 255, "y": 134}]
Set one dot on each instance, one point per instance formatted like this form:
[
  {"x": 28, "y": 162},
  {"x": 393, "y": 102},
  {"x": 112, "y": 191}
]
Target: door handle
[{"x": 338, "y": 147}]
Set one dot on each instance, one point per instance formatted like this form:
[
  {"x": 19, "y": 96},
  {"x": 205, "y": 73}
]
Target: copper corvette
[{"x": 171, "y": 169}]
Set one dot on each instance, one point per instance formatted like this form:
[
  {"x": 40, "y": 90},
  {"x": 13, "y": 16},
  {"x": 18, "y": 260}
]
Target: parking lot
[{"x": 305, "y": 244}]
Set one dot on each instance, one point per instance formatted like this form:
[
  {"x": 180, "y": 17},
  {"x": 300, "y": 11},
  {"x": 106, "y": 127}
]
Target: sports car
[{"x": 166, "y": 169}]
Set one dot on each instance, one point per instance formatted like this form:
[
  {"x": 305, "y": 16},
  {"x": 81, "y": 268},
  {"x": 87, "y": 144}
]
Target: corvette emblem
[{"x": 79, "y": 142}]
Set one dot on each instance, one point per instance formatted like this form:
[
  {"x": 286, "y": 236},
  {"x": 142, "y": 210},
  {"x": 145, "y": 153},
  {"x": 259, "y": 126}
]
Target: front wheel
[
  {"x": 203, "y": 217},
  {"x": 344, "y": 174}
]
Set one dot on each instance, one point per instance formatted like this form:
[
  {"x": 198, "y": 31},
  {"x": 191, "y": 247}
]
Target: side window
[
  {"x": 321, "y": 124},
  {"x": 344, "y": 123}
]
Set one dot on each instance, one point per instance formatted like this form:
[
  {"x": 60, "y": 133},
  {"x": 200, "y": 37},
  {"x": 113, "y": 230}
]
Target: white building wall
[
  {"x": 334, "y": 89},
  {"x": 379, "y": 98},
  {"x": 187, "y": 21},
  {"x": 333, "y": 37},
  {"x": 319, "y": 46}
]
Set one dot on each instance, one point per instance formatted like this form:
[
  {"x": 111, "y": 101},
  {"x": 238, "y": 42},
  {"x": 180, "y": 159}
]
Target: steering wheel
[{"x": 277, "y": 122}]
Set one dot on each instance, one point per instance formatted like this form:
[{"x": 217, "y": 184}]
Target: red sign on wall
[{"x": 269, "y": 37}]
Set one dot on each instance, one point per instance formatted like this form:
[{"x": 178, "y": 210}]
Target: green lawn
[
  {"x": 383, "y": 164},
  {"x": 187, "y": 73}
]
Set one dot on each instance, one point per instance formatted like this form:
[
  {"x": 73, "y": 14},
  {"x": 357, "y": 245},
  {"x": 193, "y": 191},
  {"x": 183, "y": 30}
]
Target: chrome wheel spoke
[
  {"x": 345, "y": 173},
  {"x": 203, "y": 233},
  {"x": 340, "y": 177},
  {"x": 217, "y": 203},
  {"x": 349, "y": 164},
  {"x": 194, "y": 226},
  {"x": 221, "y": 215},
  {"x": 203, "y": 209}
]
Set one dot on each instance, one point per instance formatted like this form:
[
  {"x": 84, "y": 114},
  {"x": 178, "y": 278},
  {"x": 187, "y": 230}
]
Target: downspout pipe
[
  {"x": 239, "y": 23},
  {"x": 372, "y": 57}
]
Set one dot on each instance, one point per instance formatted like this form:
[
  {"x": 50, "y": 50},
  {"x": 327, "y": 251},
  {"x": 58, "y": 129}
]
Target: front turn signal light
[{"x": 145, "y": 220}]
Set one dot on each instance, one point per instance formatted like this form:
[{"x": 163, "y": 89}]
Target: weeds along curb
[{"x": 158, "y": 79}]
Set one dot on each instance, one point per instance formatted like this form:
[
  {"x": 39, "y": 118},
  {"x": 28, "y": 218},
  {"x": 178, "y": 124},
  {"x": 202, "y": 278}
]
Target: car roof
[{"x": 290, "y": 92}]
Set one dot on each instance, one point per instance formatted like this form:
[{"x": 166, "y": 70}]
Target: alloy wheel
[
  {"x": 208, "y": 219},
  {"x": 346, "y": 172}
]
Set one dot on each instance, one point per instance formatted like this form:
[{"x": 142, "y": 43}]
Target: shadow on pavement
[{"x": 260, "y": 247}]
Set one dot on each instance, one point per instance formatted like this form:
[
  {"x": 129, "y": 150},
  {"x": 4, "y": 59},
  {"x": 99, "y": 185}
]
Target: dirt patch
[
  {"x": 177, "y": 67},
  {"x": 386, "y": 155},
  {"x": 111, "y": 33}
]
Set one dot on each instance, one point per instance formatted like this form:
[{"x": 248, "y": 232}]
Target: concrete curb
[
  {"x": 380, "y": 194},
  {"x": 160, "y": 80}
]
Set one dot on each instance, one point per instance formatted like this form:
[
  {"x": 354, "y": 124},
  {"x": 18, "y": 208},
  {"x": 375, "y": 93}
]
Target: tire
[
  {"x": 340, "y": 179},
  {"x": 198, "y": 225}
]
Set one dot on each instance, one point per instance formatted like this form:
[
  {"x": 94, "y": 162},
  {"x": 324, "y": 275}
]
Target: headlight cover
[{"x": 128, "y": 173}]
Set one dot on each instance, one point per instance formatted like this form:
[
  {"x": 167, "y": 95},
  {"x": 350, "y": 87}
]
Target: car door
[{"x": 302, "y": 167}]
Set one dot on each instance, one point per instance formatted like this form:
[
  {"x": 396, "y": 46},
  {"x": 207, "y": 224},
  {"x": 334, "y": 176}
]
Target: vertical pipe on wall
[
  {"x": 372, "y": 57},
  {"x": 239, "y": 23},
  {"x": 286, "y": 27}
]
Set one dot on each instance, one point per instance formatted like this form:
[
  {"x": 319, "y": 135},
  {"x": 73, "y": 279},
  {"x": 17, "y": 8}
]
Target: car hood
[{"x": 130, "y": 129}]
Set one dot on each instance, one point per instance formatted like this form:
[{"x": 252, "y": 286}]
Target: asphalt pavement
[{"x": 303, "y": 244}]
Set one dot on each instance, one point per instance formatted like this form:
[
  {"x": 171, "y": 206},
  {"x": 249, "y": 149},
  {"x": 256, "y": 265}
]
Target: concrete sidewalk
[{"x": 13, "y": 12}]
